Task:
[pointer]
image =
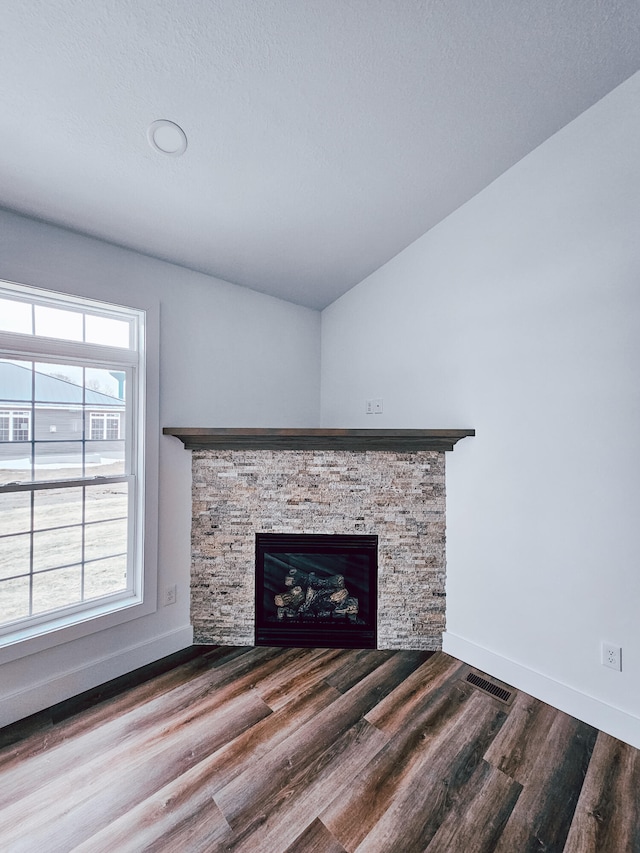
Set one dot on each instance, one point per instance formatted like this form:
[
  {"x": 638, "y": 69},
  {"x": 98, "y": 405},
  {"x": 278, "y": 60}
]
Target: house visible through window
[{"x": 71, "y": 402}]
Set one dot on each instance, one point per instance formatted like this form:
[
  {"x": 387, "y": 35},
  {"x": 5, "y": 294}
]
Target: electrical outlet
[
  {"x": 612, "y": 656},
  {"x": 369, "y": 407},
  {"x": 170, "y": 594},
  {"x": 377, "y": 406}
]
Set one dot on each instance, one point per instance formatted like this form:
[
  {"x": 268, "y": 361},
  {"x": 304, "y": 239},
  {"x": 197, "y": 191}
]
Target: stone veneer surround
[{"x": 400, "y": 496}]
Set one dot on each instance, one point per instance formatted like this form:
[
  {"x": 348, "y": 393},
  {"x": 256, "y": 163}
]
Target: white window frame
[
  {"x": 103, "y": 418},
  {"x": 38, "y": 633},
  {"x": 12, "y": 417}
]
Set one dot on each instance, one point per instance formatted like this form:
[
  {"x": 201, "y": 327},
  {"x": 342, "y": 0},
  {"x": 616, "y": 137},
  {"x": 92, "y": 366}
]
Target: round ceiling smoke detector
[{"x": 167, "y": 138}]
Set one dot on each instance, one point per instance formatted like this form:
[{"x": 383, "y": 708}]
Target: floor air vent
[{"x": 490, "y": 687}]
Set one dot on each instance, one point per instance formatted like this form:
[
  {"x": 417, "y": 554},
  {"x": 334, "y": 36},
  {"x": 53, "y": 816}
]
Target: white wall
[
  {"x": 226, "y": 356},
  {"x": 519, "y": 315}
]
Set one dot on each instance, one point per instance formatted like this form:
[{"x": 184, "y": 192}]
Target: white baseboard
[
  {"x": 64, "y": 685},
  {"x": 596, "y": 713}
]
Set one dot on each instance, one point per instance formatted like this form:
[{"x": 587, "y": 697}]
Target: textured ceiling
[{"x": 324, "y": 135}]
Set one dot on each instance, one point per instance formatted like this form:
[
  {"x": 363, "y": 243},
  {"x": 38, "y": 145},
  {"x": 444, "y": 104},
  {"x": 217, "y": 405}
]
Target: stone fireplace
[{"x": 375, "y": 483}]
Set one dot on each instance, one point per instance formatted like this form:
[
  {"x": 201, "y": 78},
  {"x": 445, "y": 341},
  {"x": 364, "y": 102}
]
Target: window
[
  {"x": 15, "y": 426},
  {"x": 71, "y": 459},
  {"x": 105, "y": 427}
]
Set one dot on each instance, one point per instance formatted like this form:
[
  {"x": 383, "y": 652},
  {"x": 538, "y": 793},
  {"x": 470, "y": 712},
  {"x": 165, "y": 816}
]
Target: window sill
[{"x": 30, "y": 640}]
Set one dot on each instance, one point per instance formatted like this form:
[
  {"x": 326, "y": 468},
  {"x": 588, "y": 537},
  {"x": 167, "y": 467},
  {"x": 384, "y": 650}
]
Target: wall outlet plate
[
  {"x": 170, "y": 594},
  {"x": 612, "y": 656}
]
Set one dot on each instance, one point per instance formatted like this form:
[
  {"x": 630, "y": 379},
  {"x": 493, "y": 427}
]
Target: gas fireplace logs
[{"x": 311, "y": 597}]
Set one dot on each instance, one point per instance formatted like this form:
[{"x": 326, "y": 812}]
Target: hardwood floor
[{"x": 318, "y": 751}]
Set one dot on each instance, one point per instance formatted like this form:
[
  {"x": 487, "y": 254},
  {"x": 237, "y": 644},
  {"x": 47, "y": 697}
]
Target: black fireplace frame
[{"x": 321, "y": 633}]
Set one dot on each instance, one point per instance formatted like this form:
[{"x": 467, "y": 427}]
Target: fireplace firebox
[{"x": 316, "y": 590}]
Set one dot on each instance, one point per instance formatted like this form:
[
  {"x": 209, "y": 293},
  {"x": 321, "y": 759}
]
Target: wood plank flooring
[{"x": 263, "y": 750}]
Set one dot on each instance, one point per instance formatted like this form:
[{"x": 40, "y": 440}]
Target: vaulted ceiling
[{"x": 324, "y": 136}]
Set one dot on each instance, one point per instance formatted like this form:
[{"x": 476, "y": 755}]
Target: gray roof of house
[{"x": 15, "y": 385}]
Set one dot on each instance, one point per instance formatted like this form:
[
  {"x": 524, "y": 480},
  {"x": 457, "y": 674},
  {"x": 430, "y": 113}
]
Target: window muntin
[{"x": 70, "y": 475}]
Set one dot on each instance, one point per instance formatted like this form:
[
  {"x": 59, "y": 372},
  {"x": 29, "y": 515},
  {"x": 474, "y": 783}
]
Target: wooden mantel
[{"x": 403, "y": 440}]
